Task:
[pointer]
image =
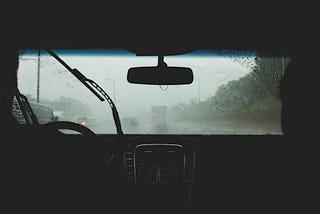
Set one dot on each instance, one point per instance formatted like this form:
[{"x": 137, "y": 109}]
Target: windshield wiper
[{"x": 94, "y": 88}]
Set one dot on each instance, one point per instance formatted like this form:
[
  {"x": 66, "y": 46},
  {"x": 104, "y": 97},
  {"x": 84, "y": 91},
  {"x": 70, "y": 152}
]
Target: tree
[
  {"x": 269, "y": 72},
  {"x": 257, "y": 93}
]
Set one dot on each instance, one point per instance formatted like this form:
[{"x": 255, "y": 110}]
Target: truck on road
[{"x": 159, "y": 120}]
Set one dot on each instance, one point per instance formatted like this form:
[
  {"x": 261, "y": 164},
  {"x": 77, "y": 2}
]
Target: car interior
[{"x": 70, "y": 166}]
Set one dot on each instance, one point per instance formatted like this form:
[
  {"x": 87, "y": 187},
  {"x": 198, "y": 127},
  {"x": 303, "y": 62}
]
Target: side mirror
[{"x": 55, "y": 118}]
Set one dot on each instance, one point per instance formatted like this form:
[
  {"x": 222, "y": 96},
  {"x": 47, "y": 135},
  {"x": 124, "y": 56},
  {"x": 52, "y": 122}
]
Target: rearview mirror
[{"x": 160, "y": 74}]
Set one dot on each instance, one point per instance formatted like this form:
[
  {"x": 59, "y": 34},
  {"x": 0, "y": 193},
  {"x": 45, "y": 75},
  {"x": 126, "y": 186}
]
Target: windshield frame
[{"x": 203, "y": 54}]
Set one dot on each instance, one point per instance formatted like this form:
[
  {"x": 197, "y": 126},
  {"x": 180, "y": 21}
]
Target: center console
[{"x": 160, "y": 166}]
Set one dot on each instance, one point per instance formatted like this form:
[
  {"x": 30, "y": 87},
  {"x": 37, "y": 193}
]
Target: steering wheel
[{"x": 55, "y": 126}]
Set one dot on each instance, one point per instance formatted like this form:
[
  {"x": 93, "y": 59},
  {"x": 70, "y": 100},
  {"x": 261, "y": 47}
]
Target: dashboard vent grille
[{"x": 128, "y": 163}]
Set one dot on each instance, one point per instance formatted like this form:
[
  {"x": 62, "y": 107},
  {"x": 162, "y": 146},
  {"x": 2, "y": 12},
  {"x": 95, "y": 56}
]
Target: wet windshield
[{"x": 232, "y": 92}]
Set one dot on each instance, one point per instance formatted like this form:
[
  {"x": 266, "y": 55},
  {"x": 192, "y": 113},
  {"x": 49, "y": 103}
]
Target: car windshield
[{"x": 233, "y": 92}]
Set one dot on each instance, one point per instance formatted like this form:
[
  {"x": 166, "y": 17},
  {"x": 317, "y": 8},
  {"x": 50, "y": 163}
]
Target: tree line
[{"x": 254, "y": 97}]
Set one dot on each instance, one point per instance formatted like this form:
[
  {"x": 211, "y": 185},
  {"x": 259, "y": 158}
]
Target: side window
[
  {"x": 17, "y": 112},
  {"x": 21, "y": 110}
]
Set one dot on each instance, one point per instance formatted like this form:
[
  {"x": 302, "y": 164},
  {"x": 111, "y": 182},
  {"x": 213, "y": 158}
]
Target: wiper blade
[
  {"x": 112, "y": 105},
  {"x": 76, "y": 73},
  {"x": 92, "y": 86}
]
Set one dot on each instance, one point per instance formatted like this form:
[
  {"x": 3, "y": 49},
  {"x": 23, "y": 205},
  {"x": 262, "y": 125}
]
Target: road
[{"x": 222, "y": 127}]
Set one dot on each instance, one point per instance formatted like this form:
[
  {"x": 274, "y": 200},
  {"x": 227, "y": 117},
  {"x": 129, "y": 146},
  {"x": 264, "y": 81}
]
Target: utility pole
[
  {"x": 198, "y": 91},
  {"x": 114, "y": 91},
  {"x": 38, "y": 77}
]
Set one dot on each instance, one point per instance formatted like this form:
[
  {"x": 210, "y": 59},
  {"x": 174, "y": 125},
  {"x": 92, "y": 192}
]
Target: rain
[{"x": 135, "y": 103}]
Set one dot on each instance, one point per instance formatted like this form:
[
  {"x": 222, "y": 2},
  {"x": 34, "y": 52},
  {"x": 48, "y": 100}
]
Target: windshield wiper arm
[
  {"x": 76, "y": 73},
  {"x": 92, "y": 86},
  {"x": 112, "y": 105}
]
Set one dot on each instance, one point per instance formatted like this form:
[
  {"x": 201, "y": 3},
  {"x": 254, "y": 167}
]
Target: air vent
[{"x": 128, "y": 166}]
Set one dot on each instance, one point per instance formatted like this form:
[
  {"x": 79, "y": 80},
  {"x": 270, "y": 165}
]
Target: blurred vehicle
[
  {"x": 130, "y": 124},
  {"x": 85, "y": 120},
  {"x": 43, "y": 112},
  {"x": 59, "y": 114},
  {"x": 159, "y": 119}
]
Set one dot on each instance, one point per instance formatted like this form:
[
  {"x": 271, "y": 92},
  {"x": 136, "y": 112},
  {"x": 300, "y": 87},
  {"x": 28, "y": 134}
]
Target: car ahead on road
[
  {"x": 130, "y": 124},
  {"x": 85, "y": 120},
  {"x": 43, "y": 113}
]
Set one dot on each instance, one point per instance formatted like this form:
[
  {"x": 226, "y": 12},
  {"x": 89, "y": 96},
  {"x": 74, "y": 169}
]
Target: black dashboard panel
[{"x": 230, "y": 169}]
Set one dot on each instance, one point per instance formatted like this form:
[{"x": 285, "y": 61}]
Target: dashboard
[
  {"x": 182, "y": 171},
  {"x": 161, "y": 164}
]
